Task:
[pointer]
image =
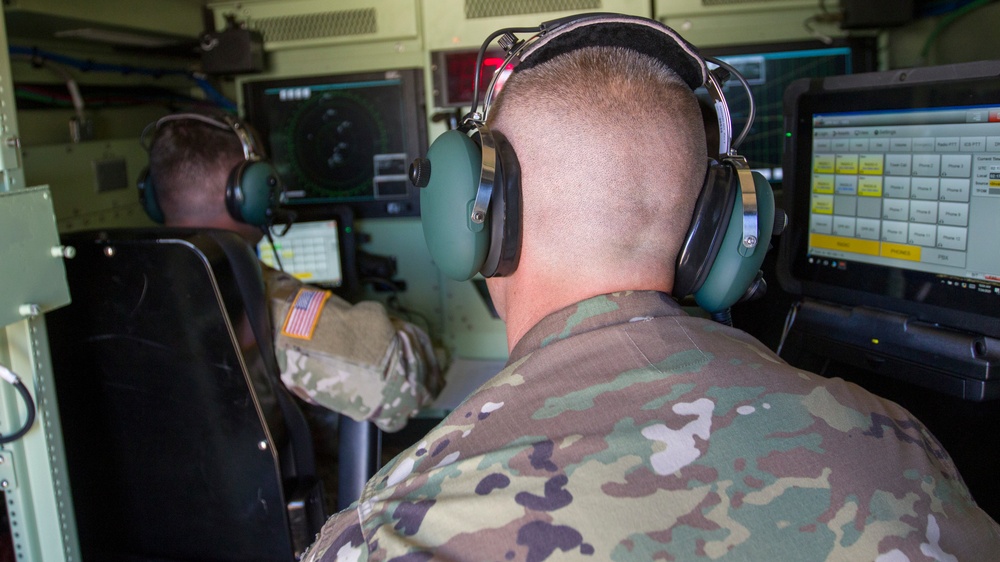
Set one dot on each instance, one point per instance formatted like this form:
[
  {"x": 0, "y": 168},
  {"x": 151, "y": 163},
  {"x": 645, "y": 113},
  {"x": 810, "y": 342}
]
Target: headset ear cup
[
  {"x": 457, "y": 245},
  {"x": 735, "y": 268},
  {"x": 708, "y": 226},
  {"x": 234, "y": 193},
  {"x": 505, "y": 212},
  {"x": 147, "y": 197},
  {"x": 252, "y": 192}
]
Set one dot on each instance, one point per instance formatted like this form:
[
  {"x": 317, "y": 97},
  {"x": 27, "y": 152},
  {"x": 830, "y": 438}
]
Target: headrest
[{"x": 642, "y": 35}]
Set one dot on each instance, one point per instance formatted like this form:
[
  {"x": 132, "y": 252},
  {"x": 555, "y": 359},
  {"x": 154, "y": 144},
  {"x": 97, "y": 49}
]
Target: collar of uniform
[{"x": 592, "y": 314}]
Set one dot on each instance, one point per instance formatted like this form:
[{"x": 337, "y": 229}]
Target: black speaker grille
[
  {"x": 317, "y": 25},
  {"x": 498, "y": 8}
]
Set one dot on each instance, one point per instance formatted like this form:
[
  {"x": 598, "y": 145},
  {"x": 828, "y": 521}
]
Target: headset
[
  {"x": 253, "y": 190},
  {"x": 470, "y": 198}
]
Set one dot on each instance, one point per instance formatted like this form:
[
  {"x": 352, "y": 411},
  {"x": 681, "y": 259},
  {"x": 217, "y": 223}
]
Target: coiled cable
[{"x": 7, "y": 375}]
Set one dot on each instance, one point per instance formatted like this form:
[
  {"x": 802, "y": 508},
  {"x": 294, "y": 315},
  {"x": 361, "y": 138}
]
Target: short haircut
[
  {"x": 189, "y": 164},
  {"x": 613, "y": 155}
]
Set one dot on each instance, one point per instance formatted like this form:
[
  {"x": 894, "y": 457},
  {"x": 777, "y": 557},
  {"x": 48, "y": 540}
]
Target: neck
[
  {"x": 250, "y": 233},
  {"x": 524, "y": 299}
]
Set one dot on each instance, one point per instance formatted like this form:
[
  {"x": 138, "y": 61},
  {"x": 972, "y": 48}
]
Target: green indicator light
[{"x": 788, "y": 134}]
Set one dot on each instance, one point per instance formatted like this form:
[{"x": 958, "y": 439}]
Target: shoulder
[
  {"x": 690, "y": 445},
  {"x": 271, "y": 274},
  {"x": 340, "y": 540}
]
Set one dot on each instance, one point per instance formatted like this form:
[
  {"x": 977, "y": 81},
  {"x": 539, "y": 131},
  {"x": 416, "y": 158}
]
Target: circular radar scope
[{"x": 338, "y": 136}]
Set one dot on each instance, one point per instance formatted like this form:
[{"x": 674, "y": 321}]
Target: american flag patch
[{"x": 304, "y": 313}]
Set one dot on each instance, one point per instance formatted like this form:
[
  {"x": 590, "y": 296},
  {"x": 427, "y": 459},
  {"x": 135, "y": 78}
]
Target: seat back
[{"x": 181, "y": 442}]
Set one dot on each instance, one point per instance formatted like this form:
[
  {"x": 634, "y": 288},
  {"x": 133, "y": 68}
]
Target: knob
[
  {"x": 420, "y": 172},
  {"x": 780, "y": 222}
]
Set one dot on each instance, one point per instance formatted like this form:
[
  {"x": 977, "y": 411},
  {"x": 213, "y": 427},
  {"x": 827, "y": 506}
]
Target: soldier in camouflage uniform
[
  {"x": 353, "y": 359},
  {"x": 357, "y": 360},
  {"x": 622, "y": 428}
]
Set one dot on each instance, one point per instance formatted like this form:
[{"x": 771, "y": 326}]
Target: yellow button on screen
[
  {"x": 842, "y": 244},
  {"x": 847, "y": 163},
  {"x": 822, "y": 204},
  {"x": 870, "y": 187},
  {"x": 900, "y": 251},
  {"x": 870, "y": 164},
  {"x": 823, "y": 164},
  {"x": 823, "y": 183}
]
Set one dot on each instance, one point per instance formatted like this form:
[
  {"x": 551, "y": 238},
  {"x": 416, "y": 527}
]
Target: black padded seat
[{"x": 181, "y": 442}]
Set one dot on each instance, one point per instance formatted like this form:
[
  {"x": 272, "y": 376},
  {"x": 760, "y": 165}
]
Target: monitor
[
  {"x": 893, "y": 191},
  {"x": 769, "y": 69},
  {"x": 319, "y": 252},
  {"x": 345, "y": 139}
]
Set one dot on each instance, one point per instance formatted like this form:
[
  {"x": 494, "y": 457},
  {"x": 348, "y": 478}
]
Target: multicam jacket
[
  {"x": 623, "y": 429},
  {"x": 353, "y": 359}
]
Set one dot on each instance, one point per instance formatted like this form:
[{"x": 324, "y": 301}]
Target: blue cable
[
  {"x": 214, "y": 94},
  {"x": 90, "y": 66}
]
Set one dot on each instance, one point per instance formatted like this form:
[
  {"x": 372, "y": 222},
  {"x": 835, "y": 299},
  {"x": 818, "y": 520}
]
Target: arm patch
[{"x": 303, "y": 315}]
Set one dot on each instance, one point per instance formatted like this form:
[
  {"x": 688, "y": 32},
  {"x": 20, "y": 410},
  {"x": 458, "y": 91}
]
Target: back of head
[
  {"x": 189, "y": 162},
  {"x": 612, "y": 154}
]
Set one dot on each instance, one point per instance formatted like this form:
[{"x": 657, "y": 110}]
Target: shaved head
[{"x": 612, "y": 153}]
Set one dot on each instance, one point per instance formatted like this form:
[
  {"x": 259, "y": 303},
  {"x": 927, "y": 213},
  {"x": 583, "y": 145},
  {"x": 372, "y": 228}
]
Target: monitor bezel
[
  {"x": 864, "y": 53},
  {"x": 414, "y": 138},
  {"x": 936, "y": 87},
  {"x": 863, "y": 58}
]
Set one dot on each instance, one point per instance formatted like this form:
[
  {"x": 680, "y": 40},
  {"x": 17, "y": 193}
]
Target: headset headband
[
  {"x": 613, "y": 30},
  {"x": 642, "y": 35},
  {"x": 225, "y": 122}
]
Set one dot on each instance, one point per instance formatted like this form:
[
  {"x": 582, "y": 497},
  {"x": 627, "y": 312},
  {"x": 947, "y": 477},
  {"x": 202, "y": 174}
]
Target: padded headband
[
  {"x": 641, "y": 35},
  {"x": 251, "y": 150},
  {"x": 612, "y": 30}
]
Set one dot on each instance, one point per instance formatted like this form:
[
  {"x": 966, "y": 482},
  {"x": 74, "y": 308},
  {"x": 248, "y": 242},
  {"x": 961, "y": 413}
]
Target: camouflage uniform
[
  {"x": 623, "y": 429},
  {"x": 356, "y": 360}
]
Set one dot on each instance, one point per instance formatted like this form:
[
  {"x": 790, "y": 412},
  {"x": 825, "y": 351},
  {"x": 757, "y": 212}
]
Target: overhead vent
[
  {"x": 500, "y": 8},
  {"x": 316, "y": 25}
]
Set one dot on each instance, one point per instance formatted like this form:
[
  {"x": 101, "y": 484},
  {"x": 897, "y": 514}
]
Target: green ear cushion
[
  {"x": 732, "y": 273},
  {"x": 255, "y": 193},
  {"x": 446, "y": 206},
  {"x": 147, "y": 197}
]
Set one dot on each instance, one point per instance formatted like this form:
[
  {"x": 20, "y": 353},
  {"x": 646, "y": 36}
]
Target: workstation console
[{"x": 892, "y": 185}]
